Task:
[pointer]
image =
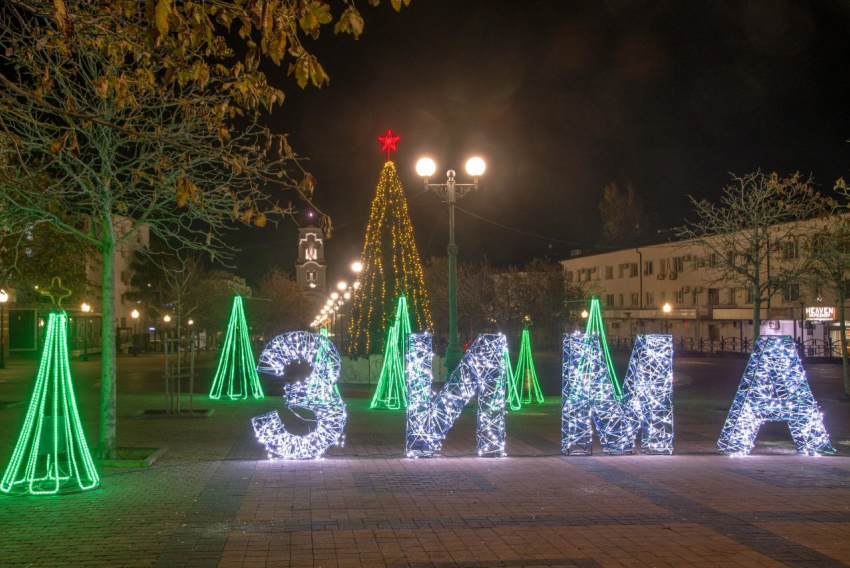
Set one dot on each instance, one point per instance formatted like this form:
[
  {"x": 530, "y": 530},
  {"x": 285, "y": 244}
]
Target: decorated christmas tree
[
  {"x": 391, "y": 266},
  {"x": 522, "y": 382},
  {"x": 236, "y": 368},
  {"x": 51, "y": 455},
  {"x": 596, "y": 326},
  {"x": 391, "y": 391}
]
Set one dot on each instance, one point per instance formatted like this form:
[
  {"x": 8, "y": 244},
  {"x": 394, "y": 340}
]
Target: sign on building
[{"x": 820, "y": 313}]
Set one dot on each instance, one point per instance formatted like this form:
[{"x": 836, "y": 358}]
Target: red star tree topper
[{"x": 388, "y": 142}]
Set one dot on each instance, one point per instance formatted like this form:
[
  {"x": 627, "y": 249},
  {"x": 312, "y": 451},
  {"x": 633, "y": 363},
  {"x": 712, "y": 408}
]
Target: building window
[
  {"x": 609, "y": 272},
  {"x": 713, "y": 296},
  {"x": 792, "y": 293},
  {"x": 730, "y": 296},
  {"x": 678, "y": 264},
  {"x": 790, "y": 250},
  {"x": 695, "y": 298},
  {"x": 648, "y": 267},
  {"x": 312, "y": 277},
  {"x": 609, "y": 300},
  {"x": 635, "y": 298},
  {"x": 622, "y": 299},
  {"x": 633, "y": 269},
  {"x": 712, "y": 260},
  {"x": 749, "y": 295},
  {"x": 568, "y": 276},
  {"x": 650, "y": 299},
  {"x": 680, "y": 297}
]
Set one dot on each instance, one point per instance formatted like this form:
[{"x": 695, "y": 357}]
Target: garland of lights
[
  {"x": 481, "y": 372},
  {"x": 774, "y": 388},
  {"x": 391, "y": 391},
  {"x": 391, "y": 266},
  {"x": 236, "y": 365},
  {"x": 51, "y": 455},
  {"x": 316, "y": 393},
  {"x": 589, "y": 399},
  {"x": 522, "y": 383}
]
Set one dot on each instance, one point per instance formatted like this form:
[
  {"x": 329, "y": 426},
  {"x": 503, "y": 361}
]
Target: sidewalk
[{"x": 214, "y": 499}]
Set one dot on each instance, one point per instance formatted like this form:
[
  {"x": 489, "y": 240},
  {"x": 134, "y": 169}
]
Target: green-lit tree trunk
[{"x": 106, "y": 438}]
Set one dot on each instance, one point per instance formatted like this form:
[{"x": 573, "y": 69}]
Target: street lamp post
[
  {"x": 135, "y": 315},
  {"x": 451, "y": 192},
  {"x": 4, "y": 297},
  {"x": 667, "y": 308},
  {"x": 86, "y": 309}
]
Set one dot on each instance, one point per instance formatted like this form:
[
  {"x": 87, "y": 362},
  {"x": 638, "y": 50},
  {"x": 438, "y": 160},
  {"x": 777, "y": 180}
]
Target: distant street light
[
  {"x": 667, "y": 308},
  {"x": 357, "y": 267},
  {"x": 451, "y": 192},
  {"x": 341, "y": 285},
  {"x": 584, "y": 314},
  {"x": 135, "y": 315},
  {"x": 166, "y": 318},
  {"x": 86, "y": 309}
]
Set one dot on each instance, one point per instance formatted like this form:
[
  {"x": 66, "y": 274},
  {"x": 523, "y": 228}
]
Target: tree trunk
[
  {"x": 842, "y": 326},
  {"x": 106, "y": 440}
]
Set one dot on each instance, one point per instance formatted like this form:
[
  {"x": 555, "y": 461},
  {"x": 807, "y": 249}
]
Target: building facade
[{"x": 634, "y": 285}]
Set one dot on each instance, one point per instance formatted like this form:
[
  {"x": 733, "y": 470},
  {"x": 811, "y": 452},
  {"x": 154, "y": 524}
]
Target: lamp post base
[{"x": 453, "y": 356}]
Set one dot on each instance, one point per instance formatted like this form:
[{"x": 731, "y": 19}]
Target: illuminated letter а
[{"x": 774, "y": 387}]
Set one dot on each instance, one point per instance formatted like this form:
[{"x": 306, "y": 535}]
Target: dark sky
[{"x": 561, "y": 98}]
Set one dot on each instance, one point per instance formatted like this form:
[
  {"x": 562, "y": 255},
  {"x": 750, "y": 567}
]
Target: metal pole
[
  {"x": 2, "y": 336},
  {"x": 135, "y": 338},
  {"x": 453, "y": 351},
  {"x": 85, "y": 338}
]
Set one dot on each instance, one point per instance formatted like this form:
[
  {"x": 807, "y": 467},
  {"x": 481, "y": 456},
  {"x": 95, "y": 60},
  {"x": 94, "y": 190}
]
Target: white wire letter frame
[
  {"x": 589, "y": 398},
  {"x": 316, "y": 393},
  {"x": 481, "y": 373},
  {"x": 774, "y": 388}
]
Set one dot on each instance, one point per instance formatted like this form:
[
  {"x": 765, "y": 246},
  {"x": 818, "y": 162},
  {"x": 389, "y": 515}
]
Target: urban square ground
[{"x": 215, "y": 500}]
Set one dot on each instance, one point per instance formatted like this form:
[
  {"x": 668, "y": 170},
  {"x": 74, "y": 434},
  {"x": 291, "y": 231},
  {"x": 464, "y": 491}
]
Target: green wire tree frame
[
  {"x": 391, "y": 391},
  {"x": 236, "y": 367},
  {"x": 322, "y": 352},
  {"x": 523, "y": 386},
  {"x": 51, "y": 455},
  {"x": 596, "y": 325}
]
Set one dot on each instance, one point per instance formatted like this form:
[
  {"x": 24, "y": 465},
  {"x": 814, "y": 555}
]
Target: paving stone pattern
[{"x": 215, "y": 500}]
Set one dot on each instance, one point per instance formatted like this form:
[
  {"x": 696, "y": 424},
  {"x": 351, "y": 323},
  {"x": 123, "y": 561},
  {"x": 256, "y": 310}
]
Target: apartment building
[{"x": 634, "y": 285}]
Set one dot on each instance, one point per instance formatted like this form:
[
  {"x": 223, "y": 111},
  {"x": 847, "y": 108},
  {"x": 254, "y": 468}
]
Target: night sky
[{"x": 561, "y": 98}]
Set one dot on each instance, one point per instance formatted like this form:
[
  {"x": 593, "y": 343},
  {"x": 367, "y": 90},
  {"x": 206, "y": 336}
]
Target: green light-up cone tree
[
  {"x": 523, "y": 386},
  {"x": 236, "y": 367},
  {"x": 596, "y": 325},
  {"x": 51, "y": 455},
  {"x": 391, "y": 391}
]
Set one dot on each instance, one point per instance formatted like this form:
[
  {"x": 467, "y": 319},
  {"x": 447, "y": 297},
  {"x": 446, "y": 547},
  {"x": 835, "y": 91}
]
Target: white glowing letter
[
  {"x": 316, "y": 393},
  {"x": 590, "y": 397},
  {"x": 481, "y": 372},
  {"x": 774, "y": 388}
]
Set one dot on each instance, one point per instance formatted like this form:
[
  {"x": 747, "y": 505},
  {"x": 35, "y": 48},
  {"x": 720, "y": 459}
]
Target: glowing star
[
  {"x": 388, "y": 142},
  {"x": 774, "y": 388},
  {"x": 481, "y": 372},
  {"x": 315, "y": 394}
]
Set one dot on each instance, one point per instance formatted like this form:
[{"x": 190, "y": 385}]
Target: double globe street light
[{"x": 450, "y": 192}]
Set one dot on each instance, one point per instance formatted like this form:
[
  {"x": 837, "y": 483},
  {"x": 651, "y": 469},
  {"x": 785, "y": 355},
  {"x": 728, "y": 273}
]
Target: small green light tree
[
  {"x": 595, "y": 325},
  {"x": 51, "y": 455},
  {"x": 392, "y": 387},
  {"x": 236, "y": 368},
  {"x": 522, "y": 382}
]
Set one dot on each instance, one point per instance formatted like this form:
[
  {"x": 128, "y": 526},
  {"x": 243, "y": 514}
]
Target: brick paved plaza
[{"x": 214, "y": 500}]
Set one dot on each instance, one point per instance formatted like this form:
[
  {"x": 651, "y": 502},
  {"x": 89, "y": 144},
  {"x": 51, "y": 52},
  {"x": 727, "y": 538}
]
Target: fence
[{"x": 732, "y": 346}]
